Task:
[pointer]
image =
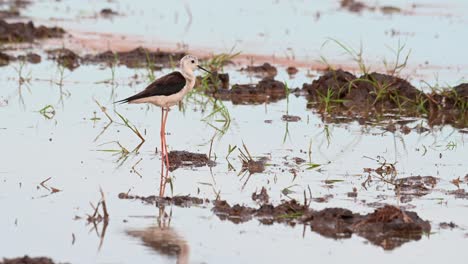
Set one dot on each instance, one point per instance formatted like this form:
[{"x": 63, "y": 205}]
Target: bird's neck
[{"x": 188, "y": 75}]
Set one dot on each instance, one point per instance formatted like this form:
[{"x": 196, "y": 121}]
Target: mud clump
[
  {"x": 371, "y": 97},
  {"x": 65, "y": 57},
  {"x": 184, "y": 158},
  {"x": 266, "y": 90},
  {"x": 27, "y": 32},
  {"x": 27, "y": 260},
  {"x": 415, "y": 186},
  {"x": 290, "y": 118},
  {"x": 353, "y": 6},
  {"x": 182, "y": 201},
  {"x": 107, "y": 12},
  {"x": 292, "y": 70},
  {"x": 261, "y": 197},
  {"x": 5, "y": 59},
  {"x": 264, "y": 70},
  {"x": 137, "y": 58},
  {"x": 8, "y": 14},
  {"x": 388, "y": 226},
  {"x": 31, "y": 58},
  {"x": 213, "y": 83}
]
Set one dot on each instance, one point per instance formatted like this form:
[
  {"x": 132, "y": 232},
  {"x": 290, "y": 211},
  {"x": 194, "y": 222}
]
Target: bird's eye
[{"x": 193, "y": 61}]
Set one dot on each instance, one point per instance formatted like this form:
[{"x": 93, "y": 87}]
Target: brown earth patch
[
  {"x": 28, "y": 260},
  {"x": 137, "y": 58},
  {"x": 387, "y": 227},
  {"x": 372, "y": 97},
  {"x": 264, "y": 70},
  {"x": 184, "y": 158},
  {"x": 27, "y": 32},
  {"x": 65, "y": 57},
  {"x": 415, "y": 186}
]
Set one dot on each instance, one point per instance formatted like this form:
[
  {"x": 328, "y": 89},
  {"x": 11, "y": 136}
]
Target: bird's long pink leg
[
  {"x": 165, "y": 143},
  {"x": 162, "y": 184}
]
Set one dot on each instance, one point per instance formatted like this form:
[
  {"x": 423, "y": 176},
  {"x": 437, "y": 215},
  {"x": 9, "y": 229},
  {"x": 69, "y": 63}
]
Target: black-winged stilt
[{"x": 166, "y": 92}]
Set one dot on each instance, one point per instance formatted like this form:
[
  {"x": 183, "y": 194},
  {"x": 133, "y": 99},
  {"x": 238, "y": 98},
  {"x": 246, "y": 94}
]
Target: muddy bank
[
  {"x": 65, "y": 58},
  {"x": 264, "y": 70},
  {"x": 27, "y": 32},
  {"x": 188, "y": 159},
  {"x": 267, "y": 90},
  {"x": 388, "y": 227},
  {"x": 27, "y": 260},
  {"x": 137, "y": 58},
  {"x": 371, "y": 96}
]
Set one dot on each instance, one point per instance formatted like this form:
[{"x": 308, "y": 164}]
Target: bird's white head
[{"x": 188, "y": 64}]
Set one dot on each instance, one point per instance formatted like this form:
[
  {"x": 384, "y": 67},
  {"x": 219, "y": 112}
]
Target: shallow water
[{"x": 73, "y": 149}]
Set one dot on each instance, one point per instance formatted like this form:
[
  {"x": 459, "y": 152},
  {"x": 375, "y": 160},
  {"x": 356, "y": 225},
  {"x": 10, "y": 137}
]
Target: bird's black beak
[{"x": 201, "y": 68}]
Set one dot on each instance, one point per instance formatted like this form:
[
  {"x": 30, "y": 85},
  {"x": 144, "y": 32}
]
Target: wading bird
[{"x": 167, "y": 91}]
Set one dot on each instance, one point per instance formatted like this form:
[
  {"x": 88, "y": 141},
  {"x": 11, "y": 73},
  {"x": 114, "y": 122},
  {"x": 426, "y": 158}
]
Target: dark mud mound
[
  {"x": 262, "y": 197},
  {"x": 188, "y": 159},
  {"x": 213, "y": 82},
  {"x": 8, "y": 13},
  {"x": 137, "y": 58},
  {"x": 415, "y": 186},
  {"x": 31, "y": 58},
  {"x": 372, "y": 97},
  {"x": 291, "y": 118},
  {"x": 267, "y": 90},
  {"x": 182, "y": 201},
  {"x": 5, "y": 59},
  {"x": 353, "y": 5},
  {"x": 107, "y": 12},
  {"x": 27, "y": 260},
  {"x": 388, "y": 227},
  {"x": 65, "y": 57},
  {"x": 264, "y": 70},
  {"x": 27, "y": 32}
]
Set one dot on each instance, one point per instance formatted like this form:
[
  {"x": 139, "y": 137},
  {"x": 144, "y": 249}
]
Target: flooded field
[{"x": 294, "y": 150}]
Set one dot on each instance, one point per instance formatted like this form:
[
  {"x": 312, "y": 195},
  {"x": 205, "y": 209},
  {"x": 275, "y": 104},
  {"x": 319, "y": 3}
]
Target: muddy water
[{"x": 71, "y": 147}]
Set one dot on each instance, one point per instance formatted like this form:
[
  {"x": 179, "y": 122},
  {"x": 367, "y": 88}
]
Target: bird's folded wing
[{"x": 169, "y": 84}]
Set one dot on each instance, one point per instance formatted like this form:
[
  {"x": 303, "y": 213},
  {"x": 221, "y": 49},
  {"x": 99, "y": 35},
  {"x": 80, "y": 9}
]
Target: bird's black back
[{"x": 169, "y": 84}]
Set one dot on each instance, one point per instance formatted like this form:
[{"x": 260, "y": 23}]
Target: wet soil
[
  {"x": 27, "y": 260},
  {"x": 182, "y": 201},
  {"x": 5, "y": 59},
  {"x": 264, "y": 70},
  {"x": 291, "y": 118},
  {"x": 415, "y": 186},
  {"x": 387, "y": 227},
  {"x": 107, "y": 12},
  {"x": 137, "y": 58},
  {"x": 261, "y": 197},
  {"x": 27, "y": 32},
  {"x": 267, "y": 90},
  {"x": 188, "y": 159},
  {"x": 369, "y": 96},
  {"x": 65, "y": 57}
]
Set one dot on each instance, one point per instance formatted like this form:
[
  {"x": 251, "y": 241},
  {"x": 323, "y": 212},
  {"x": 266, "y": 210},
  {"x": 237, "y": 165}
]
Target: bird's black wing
[{"x": 169, "y": 84}]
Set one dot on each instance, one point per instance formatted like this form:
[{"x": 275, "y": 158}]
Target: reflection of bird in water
[{"x": 164, "y": 240}]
